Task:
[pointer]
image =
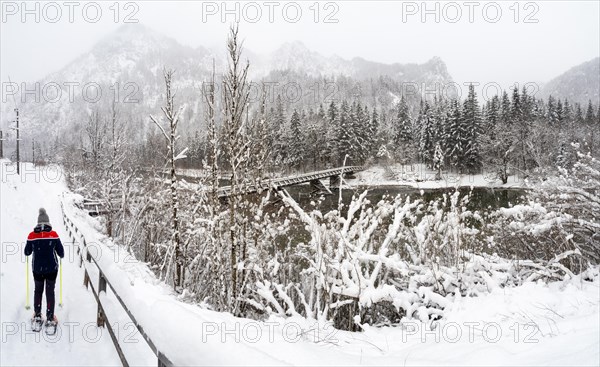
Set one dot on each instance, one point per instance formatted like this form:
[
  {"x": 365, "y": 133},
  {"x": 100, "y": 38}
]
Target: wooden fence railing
[{"x": 102, "y": 320}]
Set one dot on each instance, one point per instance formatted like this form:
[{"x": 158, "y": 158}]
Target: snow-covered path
[{"x": 78, "y": 342}]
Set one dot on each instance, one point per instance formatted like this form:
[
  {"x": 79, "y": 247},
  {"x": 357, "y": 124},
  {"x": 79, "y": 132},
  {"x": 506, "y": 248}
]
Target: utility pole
[
  {"x": 1, "y": 147},
  {"x": 18, "y": 139},
  {"x": 18, "y": 142},
  {"x": 33, "y": 151}
]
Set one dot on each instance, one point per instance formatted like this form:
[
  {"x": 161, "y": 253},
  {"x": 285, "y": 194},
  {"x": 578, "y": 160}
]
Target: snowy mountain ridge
[
  {"x": 126, "y": 66},
  {"x": 580, "y": 84},
  {"x": 126, "y": 48}
]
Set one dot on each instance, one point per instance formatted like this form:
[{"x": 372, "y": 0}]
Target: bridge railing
[
  {"x": 102, "y": 320},
  {"x": 224, "y": 191}
]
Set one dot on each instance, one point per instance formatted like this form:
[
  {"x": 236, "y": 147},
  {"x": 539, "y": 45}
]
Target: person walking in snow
[{"x": 45, "y": 245}]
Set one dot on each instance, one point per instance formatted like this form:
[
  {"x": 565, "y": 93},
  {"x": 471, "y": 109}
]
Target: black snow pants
[{"x": 50, "y": 281}]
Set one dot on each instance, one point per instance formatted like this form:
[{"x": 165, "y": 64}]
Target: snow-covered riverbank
[{"x": 419, "y": 177}]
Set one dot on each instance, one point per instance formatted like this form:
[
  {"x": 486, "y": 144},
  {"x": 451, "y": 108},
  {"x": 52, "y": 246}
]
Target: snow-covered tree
[
  {"x": 373, "y": 134},
  {"x": 402, "y": 124},
  {"x": 295, "y": 141},
  {"x": 456, "y": 136},
  {"x": 438, "y": 161},
  {"x": 172, "y": 114},
  {"x": 471, "y": 118},
  {"x": 427, "y": 135},
  {"x": 589, "y": 114},
  {"x": 343, "y": 134}
]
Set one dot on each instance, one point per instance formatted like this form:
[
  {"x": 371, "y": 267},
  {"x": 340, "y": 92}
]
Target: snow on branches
[{"x": 398, "y": 258}]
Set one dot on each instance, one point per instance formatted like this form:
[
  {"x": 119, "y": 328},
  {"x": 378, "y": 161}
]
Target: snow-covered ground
[
  {"x": 418, "y": 176},
  {"x": 534, "y": 324},
  {"x": 78, "y": 341}
]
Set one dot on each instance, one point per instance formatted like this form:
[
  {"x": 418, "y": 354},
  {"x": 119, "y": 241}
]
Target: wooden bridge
[
  {"x": 334, "y": 175},
  {"x": 96, "y": 207}
]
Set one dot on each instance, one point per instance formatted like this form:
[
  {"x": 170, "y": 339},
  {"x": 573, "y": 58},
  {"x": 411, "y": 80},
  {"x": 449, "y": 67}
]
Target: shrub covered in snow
[
  {"x": 562, "y": 215},
  {"x": 400, "y": 258}
]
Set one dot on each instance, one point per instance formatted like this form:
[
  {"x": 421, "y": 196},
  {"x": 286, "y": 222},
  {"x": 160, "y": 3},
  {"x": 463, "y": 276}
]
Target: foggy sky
[{"x": 566, "y": 34}]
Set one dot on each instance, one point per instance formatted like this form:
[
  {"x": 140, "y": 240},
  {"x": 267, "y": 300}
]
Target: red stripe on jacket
[{"x": 52, "y": 235}]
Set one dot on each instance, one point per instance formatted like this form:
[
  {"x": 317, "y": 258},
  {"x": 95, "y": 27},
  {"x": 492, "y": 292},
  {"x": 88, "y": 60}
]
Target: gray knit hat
[{"x": 43, "y": 217}]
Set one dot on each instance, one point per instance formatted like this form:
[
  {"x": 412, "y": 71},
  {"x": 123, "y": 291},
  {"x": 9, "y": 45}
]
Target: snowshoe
[
  {"x": 51, "y": 325},
  {"x": 37, "y": 323}
]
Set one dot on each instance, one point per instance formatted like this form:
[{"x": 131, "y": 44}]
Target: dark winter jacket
[{"x": 45, "y": 245}]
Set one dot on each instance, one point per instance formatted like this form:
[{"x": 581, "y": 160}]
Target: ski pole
[
  {"x": 27, "y": 307},
  {"x": 60, "y": 302}
]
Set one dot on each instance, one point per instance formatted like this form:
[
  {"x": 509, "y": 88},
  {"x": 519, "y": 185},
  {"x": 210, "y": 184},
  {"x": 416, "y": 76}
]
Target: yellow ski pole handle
[
  {"x": 60, "y": 302},
  {"x": 27, "y": 307}
]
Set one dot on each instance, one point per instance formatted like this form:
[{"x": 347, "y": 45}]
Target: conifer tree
[
  {"x": 294, "y": 146},
  {"x": 522, "y": 118},
  {"x": 456, "y": 137},
  {"x": 427, "y": 134},
  {"x": 471, "y": 117},
  {"x": 559, "y": 114},
  {"x": 492, "y": 115},
  {"x": 505, "y": 109},
  {"x": 332, "y": 112},
  {"x": 402, "y": 128},
  {"x": 589, "y": 114},
  {"x": 579, "y": 119},
  {"x": 551, "y": 113},
  {"x": 343, "y": 140},
  {"x": 374, "y": 132},
  {"x": 278, "y": 129},
  {"x": 438, "y": 161},
  {"x": 516, "y": 112}
]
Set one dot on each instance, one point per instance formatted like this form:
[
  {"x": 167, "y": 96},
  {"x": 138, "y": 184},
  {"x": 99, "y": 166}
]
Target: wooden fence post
[{"x": 101, "y": 288}]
